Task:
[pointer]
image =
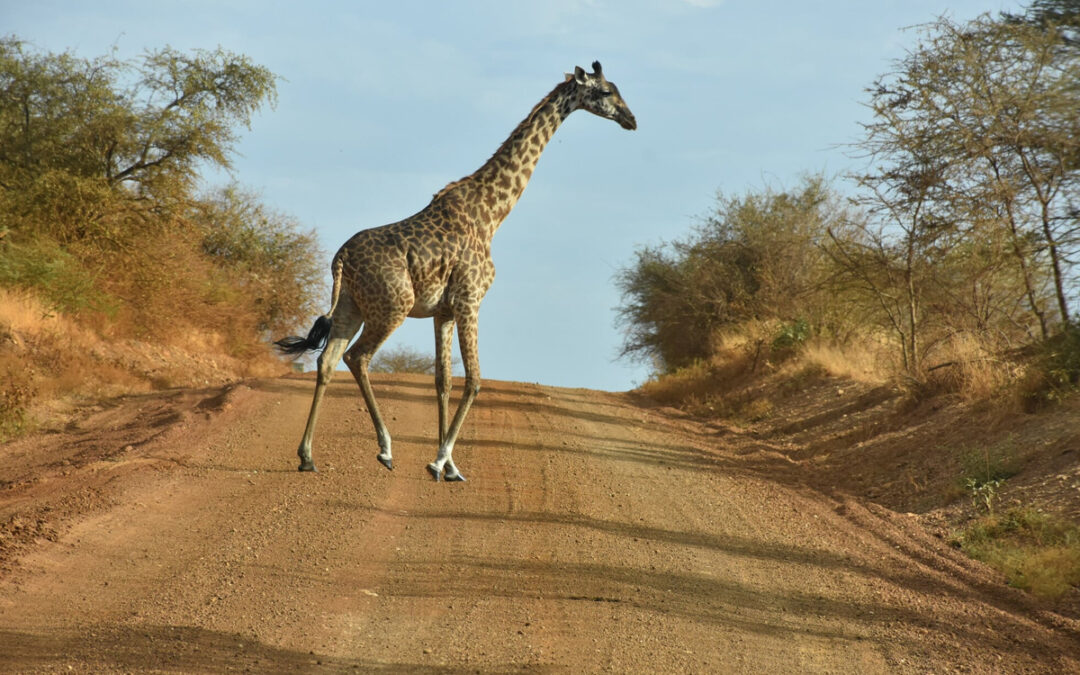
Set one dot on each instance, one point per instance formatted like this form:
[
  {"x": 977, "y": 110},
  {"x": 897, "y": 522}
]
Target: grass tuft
[{"x": 994, "y": 462}]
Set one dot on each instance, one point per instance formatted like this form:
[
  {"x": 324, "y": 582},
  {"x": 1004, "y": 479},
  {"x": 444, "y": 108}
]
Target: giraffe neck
[{"x": 491, "y": 191}]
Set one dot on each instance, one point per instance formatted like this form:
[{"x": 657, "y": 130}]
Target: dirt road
[{"x": 171, "y": 532}]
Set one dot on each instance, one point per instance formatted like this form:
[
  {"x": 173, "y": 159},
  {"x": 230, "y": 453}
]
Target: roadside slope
[{"x": 172, "y": 532}]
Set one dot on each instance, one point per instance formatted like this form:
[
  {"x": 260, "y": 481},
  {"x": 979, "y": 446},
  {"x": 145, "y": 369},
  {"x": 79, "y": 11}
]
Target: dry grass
[
  {"x": 749, "y": 381},
  {"x": 49, "y": 355},
  {"x": 24, "y": 313},
  {"x": 963, "y": 366},
  {"x": 16, "y": 392},
  {"x": 725, "y": 386},
  {"x": 972, "y": 369},
  {"x": 862, "y": 361},
  {"x": 48, "y": 358},
  {"x": 706, "y": 387},
  {"x": 697, "y": 381}
]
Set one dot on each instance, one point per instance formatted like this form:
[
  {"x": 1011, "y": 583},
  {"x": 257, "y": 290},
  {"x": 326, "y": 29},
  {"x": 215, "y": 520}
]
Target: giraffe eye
[{"x": 605, "y": 94}]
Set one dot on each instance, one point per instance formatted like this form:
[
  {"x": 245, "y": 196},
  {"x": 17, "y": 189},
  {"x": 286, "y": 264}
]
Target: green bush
[
  {"x": 756, "y": 258},
  {"x": 98, "y": 205},
  {"x": 57, "y": 276},
  {"x": 1056, "y": 370},
  {"x": 279, "y": 264},
  {"x": 1036, "y": 552},
  {"x": 791, "y": 336}
]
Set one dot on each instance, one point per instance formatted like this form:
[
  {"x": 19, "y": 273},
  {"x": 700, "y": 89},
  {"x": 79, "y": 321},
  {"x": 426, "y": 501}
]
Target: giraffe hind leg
[
  {"x": 343, "y": 329},
  {"x": 357, "y": 359}
]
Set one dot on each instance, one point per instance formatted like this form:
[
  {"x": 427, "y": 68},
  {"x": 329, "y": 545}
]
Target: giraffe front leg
[
  {"x": 444, "y": 340},
  {"x": 444, "y": 462}
]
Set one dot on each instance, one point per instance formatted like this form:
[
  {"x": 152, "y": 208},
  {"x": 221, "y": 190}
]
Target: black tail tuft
[{"x": 315, "y": 340}]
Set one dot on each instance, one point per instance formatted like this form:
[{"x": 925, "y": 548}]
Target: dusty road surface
[{"x": 171, "y": 532}]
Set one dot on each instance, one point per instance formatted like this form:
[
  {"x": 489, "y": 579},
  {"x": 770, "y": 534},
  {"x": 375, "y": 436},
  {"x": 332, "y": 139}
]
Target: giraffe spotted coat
[{"x": 437, "y": 263}]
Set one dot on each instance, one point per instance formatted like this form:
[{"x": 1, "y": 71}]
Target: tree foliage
[
  {"x": 149, "y": 123},
  {"x": 756, "y": 257},
  {"x": 964, "y": 223},
  {"x": 277, "y": 263},
  {"x": 99, "y": 209},
  {"x": 980, "y": 121}
]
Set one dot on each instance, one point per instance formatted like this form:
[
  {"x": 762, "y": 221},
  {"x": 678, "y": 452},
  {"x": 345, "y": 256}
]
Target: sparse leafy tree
[
  {"x": 148, "y": 123},
  {"x": 981, "y": 118},
  {"x": 886, "y": 263},
  {"x": 971, "y": 188}
]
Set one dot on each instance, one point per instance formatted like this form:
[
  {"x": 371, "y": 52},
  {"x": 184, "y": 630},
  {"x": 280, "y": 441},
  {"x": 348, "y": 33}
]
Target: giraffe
[{"x": 437, "y": 264}]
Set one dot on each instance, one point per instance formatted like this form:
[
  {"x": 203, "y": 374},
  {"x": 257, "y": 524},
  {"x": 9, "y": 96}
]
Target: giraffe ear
[
  {"x": 596, "y": 68},
  {"x": 580, "y": 76}
]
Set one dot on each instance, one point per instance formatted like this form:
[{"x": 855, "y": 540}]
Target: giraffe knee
[
  {"x": 326, "y": 369},
  {"x": 354, "y": 360}
]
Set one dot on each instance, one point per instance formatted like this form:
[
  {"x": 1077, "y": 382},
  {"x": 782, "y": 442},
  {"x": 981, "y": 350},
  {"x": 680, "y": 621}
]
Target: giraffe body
[{"x": 437, "y": 264}]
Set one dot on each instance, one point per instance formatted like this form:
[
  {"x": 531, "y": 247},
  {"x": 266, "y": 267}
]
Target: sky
[{"x": 380, "y": 104}]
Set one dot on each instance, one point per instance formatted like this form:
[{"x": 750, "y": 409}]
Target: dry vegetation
[
  {"x": 882, "y": 340},
  {"x": 965, "y": 447},
  {"x": 49, "y": 360},
  {"x": 116, "y": 273}
]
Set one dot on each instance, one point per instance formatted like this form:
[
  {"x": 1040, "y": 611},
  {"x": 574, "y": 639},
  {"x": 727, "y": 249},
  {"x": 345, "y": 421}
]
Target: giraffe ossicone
[{"x": 437, "y": 264}]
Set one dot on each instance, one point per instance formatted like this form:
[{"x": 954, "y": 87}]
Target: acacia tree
[
  {"x": 100, "y": 150},
  {"x": 989, "y": 108},
  {"x": 125, "y": 121},
  {"x": 186, "y": 110}
]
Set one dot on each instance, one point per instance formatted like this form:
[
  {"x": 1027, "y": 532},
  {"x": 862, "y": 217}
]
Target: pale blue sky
[{"x": 383, "y": 103}]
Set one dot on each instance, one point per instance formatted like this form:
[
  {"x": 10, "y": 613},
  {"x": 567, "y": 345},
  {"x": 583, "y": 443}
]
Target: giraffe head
[{"x": 601, "y": 97}]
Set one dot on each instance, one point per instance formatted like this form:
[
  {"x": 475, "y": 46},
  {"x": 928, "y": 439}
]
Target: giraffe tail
[
  {"x": 294, "y": 345},
  {"x": 320, "y": 331}
]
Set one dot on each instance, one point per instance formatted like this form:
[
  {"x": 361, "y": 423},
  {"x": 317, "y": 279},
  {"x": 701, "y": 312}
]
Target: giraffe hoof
[
  {"x": 307, "y": 466},
  {"x": 455, "y": 478},
  {"x": 434, "y": 471},
  {"x": 385, "y": 461}
]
